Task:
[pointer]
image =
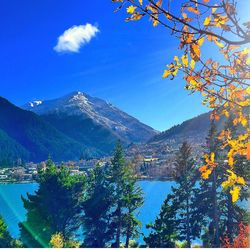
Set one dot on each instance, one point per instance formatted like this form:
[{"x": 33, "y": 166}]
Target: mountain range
[
  {"x": 67, "y": 128},
  {"x": 78, "y": 125}
]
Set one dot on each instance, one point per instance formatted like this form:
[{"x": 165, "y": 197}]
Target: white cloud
[{"x": 75, "y": 37}]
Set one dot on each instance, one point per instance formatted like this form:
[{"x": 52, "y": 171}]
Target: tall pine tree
[
  {"x": 54, "y": 208},
  {"x": 97, "y": 210},
  {"x": 127, "y": 197},
  {"x": 178, "y": 219}
]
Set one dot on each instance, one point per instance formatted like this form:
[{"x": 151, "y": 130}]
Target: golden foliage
[
  {"x": 224, "y": 83},
  {"x": 57, "y": 241}
]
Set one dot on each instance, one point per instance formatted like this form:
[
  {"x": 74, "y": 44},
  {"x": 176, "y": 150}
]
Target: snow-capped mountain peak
[
  {"x": 35, "y": 103},
  {"x": 99, "y": 111}
]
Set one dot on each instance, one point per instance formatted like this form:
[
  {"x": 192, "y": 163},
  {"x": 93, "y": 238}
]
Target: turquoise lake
[{"x": 11, "y": 206}]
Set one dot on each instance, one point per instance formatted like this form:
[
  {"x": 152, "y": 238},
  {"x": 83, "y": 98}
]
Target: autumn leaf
[
  {"x": 135, "y": 17},
  {"x": 192, "y": 64},
  {"x": 200, "y": 41},
  {"x": 167, "y": 16},
  {"x": 207, "y": 21},
  {"x": 155, "y": 22},
  {"x": 159, "y": 3},
  {"x": 131, "y": 9},
  {"x": 166, "y": 73},
  {"x": 195, "y": 52},
  {"x": 195, "y": 11},
  {"x": 140, "y": 1},
  {"x": 248, "y": 150},
  {"x": 219, "y": 44},
  {"x": 235, "y": 193},
  {"x": 214, "y": 8},
  {"x": 184, "y": 60}
]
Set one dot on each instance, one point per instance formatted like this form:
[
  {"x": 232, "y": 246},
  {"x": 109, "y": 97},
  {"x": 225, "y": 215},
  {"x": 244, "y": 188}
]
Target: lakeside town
[{"x": 149, "y": 161}]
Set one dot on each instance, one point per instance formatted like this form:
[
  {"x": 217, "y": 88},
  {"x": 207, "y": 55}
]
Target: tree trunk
[
  {"x": 188, "y": 225},
  {"x": 216, "y": 237},
  {"x": 230, "y": 217},
  {"x": 118, "y": 230},
  {"x": 127, "y": 237}
]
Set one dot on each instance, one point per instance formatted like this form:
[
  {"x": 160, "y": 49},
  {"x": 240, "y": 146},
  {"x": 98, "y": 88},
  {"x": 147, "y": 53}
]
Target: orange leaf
[
  {"x": 159, "y": 3},
  {"x": 248, "y": 150},
  {"x": 195, "y": 11},
  {"x": 195, "y": 52}
]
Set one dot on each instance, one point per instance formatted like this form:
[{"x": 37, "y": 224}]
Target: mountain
[
  {"x": 194, "y": 129},
  {"x": 25, "y": 135},
  {"x": 91, "y": 120},
  {"x": 11, "y": 150}
]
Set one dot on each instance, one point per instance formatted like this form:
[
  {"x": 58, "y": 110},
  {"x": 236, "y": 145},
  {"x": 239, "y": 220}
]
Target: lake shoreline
[{"x": 138, "y": 179}]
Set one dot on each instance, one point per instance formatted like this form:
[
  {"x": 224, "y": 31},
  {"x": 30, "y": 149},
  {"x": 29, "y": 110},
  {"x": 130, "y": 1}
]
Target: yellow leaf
[
  {"x": 245, "y": 51},
  {"x": 200, "y": 41},
  {"x": 207, "y": 21},
  {"x": 192, "y": 64},
  {"x": 248, "y": 61},
  {"x": 140, "y": 1},
  {"x": 241, "y": 181},
  {"x": 235, "y": 193},
  {"x": 231, "y": 161},
  {"x": 214, "y": 8},
  {"x": 248, "y": 90},
  {"x": 212, "y": 157},
  {"x": 155, "y": 22},
  {"x": 205, "y": 172},
  {"x": 225, "y": 184},
  {"x": 219, "y": 44},
  {"x": 243, "y": 121},
  {"x": 131, "y": 9},
  {"x": 184, "y": 60},
  {"x": 174, "y": 73},
  {"x": 166, "y": 73}
]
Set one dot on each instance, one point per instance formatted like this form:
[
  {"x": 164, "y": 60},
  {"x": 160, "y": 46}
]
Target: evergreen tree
[
  {"x": 164, "y": 229},
  {"x": 221, "y": 215},
  {"x": 208, "y": 198},
  {"x": 127, "y": 197},
  {"x": 54, "y": 208},
  {"x": 188, "y": 220},
  {"x": 97, "y": 208},
  {"x": 6, "y": 240},
  {"x": 133, "y": 199},
  {"x": 179, "y": 218}
]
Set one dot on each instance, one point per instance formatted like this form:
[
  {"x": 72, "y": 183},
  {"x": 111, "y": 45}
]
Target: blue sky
[{"x": 123, "y": 63}]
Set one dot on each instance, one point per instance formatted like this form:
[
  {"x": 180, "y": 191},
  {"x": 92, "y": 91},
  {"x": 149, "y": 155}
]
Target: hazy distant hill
[
  {"x": 91, "y": 120},
  {"x": 193, "y": 128}
]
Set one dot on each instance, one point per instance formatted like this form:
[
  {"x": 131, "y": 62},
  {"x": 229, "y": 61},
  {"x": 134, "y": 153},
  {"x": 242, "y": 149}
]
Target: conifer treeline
[{"x": 101, "y": 207}]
